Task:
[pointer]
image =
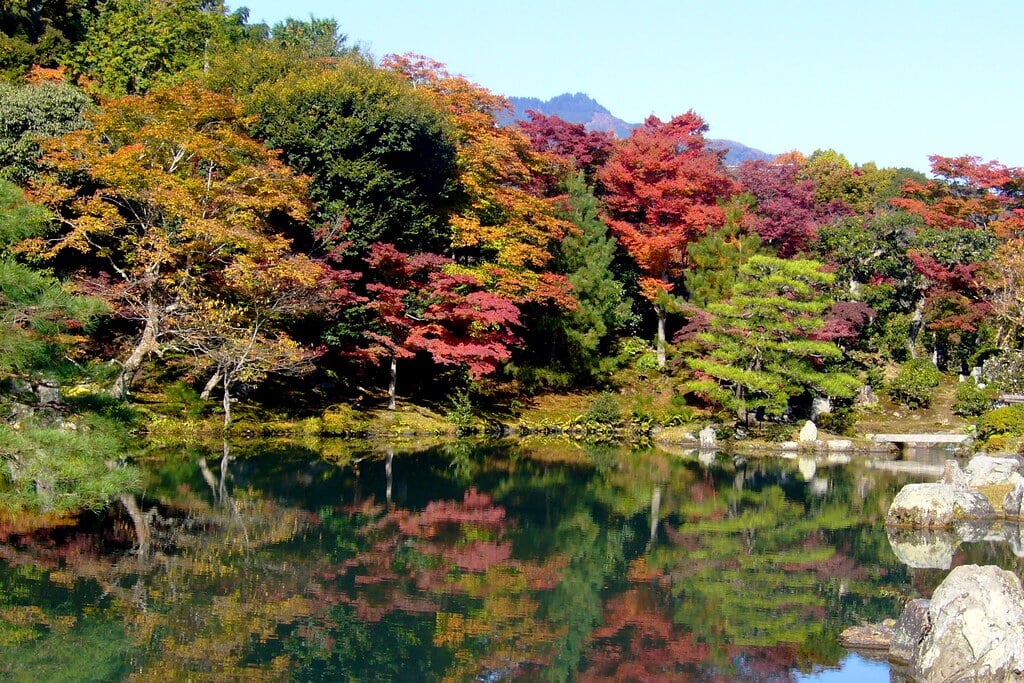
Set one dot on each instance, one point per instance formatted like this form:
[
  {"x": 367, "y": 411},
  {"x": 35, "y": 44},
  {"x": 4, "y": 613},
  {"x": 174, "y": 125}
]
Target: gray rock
[
  {"x": 48, "y": 392},
  {"x": 820, "y": 406},
  {"x": 923, "y": 548},
  {"x": 953, "y": 476},
  {"x": 839, "y": 444},
  {"x": 1012, "y": 500},
  {"x": 936, "y": 506},
  {"x": 922, "y": 505},
  {"x": 976, "y": 628},
  {"x": 708, "y": 438},
  {"x": 789, "y": 446},
  {"x": 809, "y": 432},
  {"x": 911, "y": 628},
  {"x": 986, "y": 470}
]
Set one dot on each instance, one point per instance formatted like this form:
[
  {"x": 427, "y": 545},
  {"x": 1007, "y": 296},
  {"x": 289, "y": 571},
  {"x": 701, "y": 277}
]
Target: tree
[
  {"x": 156, "y": 198},
  {"x": 786, "y": 215},
  {"x": 584, "y": 150},
  {"x": 715, "y": 258},
  {"x": 503, "y": 231},
  {"x": 380, "y": 155},
  {"x": 662, "y": 191},
  {"x": 424, "y": 305},
  {"x": 842, "y": 188},
  {"x": 765, "y": 345},
  {"x": 30, "y": 113},
  {"x": 34, "y": 32},
  {"x": 586, "y": 257},
  {"x": 42, "y": 323},
  {"x": 239, "y": 331},
  {"x": 967, "y": 208},
  {"x": 134, "y": 45}
]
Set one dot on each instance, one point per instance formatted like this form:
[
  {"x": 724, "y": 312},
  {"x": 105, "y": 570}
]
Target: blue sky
[{"x": 889, "y": 81}]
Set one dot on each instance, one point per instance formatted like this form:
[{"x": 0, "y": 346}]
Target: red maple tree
[{"x": 424, "y": 304}]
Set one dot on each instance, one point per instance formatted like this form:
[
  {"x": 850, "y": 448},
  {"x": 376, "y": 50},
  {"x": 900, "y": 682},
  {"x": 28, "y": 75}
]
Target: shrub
[
  {"x": 972, "y": 400},
  {"x": 894, "y": 337},
  {"x": 1007, "y": 421},
  {"x": 839, "y": 421},
  {"x": 604, "y": 410},
  {"x": 915, "y": 384},
  {"x": 1005, "y": 371}
]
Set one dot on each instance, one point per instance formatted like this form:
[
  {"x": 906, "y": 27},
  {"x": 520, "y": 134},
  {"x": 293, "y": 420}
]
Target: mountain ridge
[{"x": 582, "y": 108}]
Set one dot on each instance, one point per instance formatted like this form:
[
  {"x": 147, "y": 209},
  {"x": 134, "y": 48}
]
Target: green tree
[
  {"x": 763, "y": 348},
  {"x": 379, "y": 153},
  {"x": 39, "y": 32},
  {"x": 29, "y": 113},
  {"x": 586, "y": 257},
  {"x": 134, "y": 45},
  {"x": 715, "y": 259}
]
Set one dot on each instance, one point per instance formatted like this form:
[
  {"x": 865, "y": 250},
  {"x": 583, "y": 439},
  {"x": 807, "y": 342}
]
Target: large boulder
[
  {"x": 1013, "y": 499},
  {"x": 975, "y": 629},
  {"x": 985, "y": 470},
  {"x": 909, "y": 631},
  {"x": 809, "y": 432},
  {"x": 936, "y": 506}
]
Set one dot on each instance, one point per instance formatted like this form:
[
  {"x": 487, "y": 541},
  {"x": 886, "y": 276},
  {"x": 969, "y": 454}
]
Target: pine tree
[
  {"x": 586, "y": 257},
  {"x": 765, "y": 347}
]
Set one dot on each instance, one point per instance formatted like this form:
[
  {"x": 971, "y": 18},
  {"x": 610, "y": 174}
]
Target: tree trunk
[
  {"x": 211, "y": 384},
  {"x": 146, "y": 345},
  {"x": 393, "y": 383},
  {"x": 227, "y": 404},
  {"x": 660, "y": 342},
  {"x": 916, "y": 323}
]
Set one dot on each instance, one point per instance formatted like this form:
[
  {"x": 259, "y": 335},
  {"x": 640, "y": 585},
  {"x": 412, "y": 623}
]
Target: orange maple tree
[
  {"x": 504, "y": 229},
  {"x": 662, "y": 187},
  {"x": 160, "y": 195}
]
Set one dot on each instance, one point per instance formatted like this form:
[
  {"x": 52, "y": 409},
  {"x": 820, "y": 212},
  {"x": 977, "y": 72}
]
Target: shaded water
[{"x": 501, "y": 561}]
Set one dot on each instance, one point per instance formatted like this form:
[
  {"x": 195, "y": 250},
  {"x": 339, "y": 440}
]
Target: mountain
[{"x": 581, "y": 108}]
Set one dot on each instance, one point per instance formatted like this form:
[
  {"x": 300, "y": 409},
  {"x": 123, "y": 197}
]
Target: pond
[{"x": 462, "y": 561}]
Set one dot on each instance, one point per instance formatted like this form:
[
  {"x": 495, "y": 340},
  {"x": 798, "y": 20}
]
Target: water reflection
[{"x": 462, "y": 561}]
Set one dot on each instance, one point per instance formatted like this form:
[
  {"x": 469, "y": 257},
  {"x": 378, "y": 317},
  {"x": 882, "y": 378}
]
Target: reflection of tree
[{"x": 545, "y": 571}]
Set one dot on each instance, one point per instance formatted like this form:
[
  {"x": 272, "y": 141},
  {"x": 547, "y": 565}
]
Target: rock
[
  {"x": 708, "y": 438},
  {"x": 820, "y": 406},
  {"x": 839, "y": 445},
  {"x": 1012, "y": 500},
  {"x": 976, "y": 629},
  {"x": 936, "y": 506},
  {"x": 953, "y": 476},
  {"x": 789, "y": 446},
  {"x": 868, "y": 637},
  {"x": 985, "y": 470},
  {"x": 809, "y": 432},
  {"x": 923, "y": 548},
  {"x": 867, "y": 396},
  {"x": 910, "y": 630},
  {"x": 48, "y": 392}
]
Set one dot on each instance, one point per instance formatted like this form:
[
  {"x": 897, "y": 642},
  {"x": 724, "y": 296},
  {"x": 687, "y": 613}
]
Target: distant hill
[{"x": 581, "y": 108}]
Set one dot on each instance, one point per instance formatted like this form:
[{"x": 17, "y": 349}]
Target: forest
[{"x": 195, "y": 206}]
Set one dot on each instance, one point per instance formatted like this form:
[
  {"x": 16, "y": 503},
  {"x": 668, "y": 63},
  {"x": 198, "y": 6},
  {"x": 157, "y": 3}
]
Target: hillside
[{"x": 581, "y": 108}]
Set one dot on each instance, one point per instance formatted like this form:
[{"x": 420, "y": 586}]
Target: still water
[{"x": 468, "y": 562}]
